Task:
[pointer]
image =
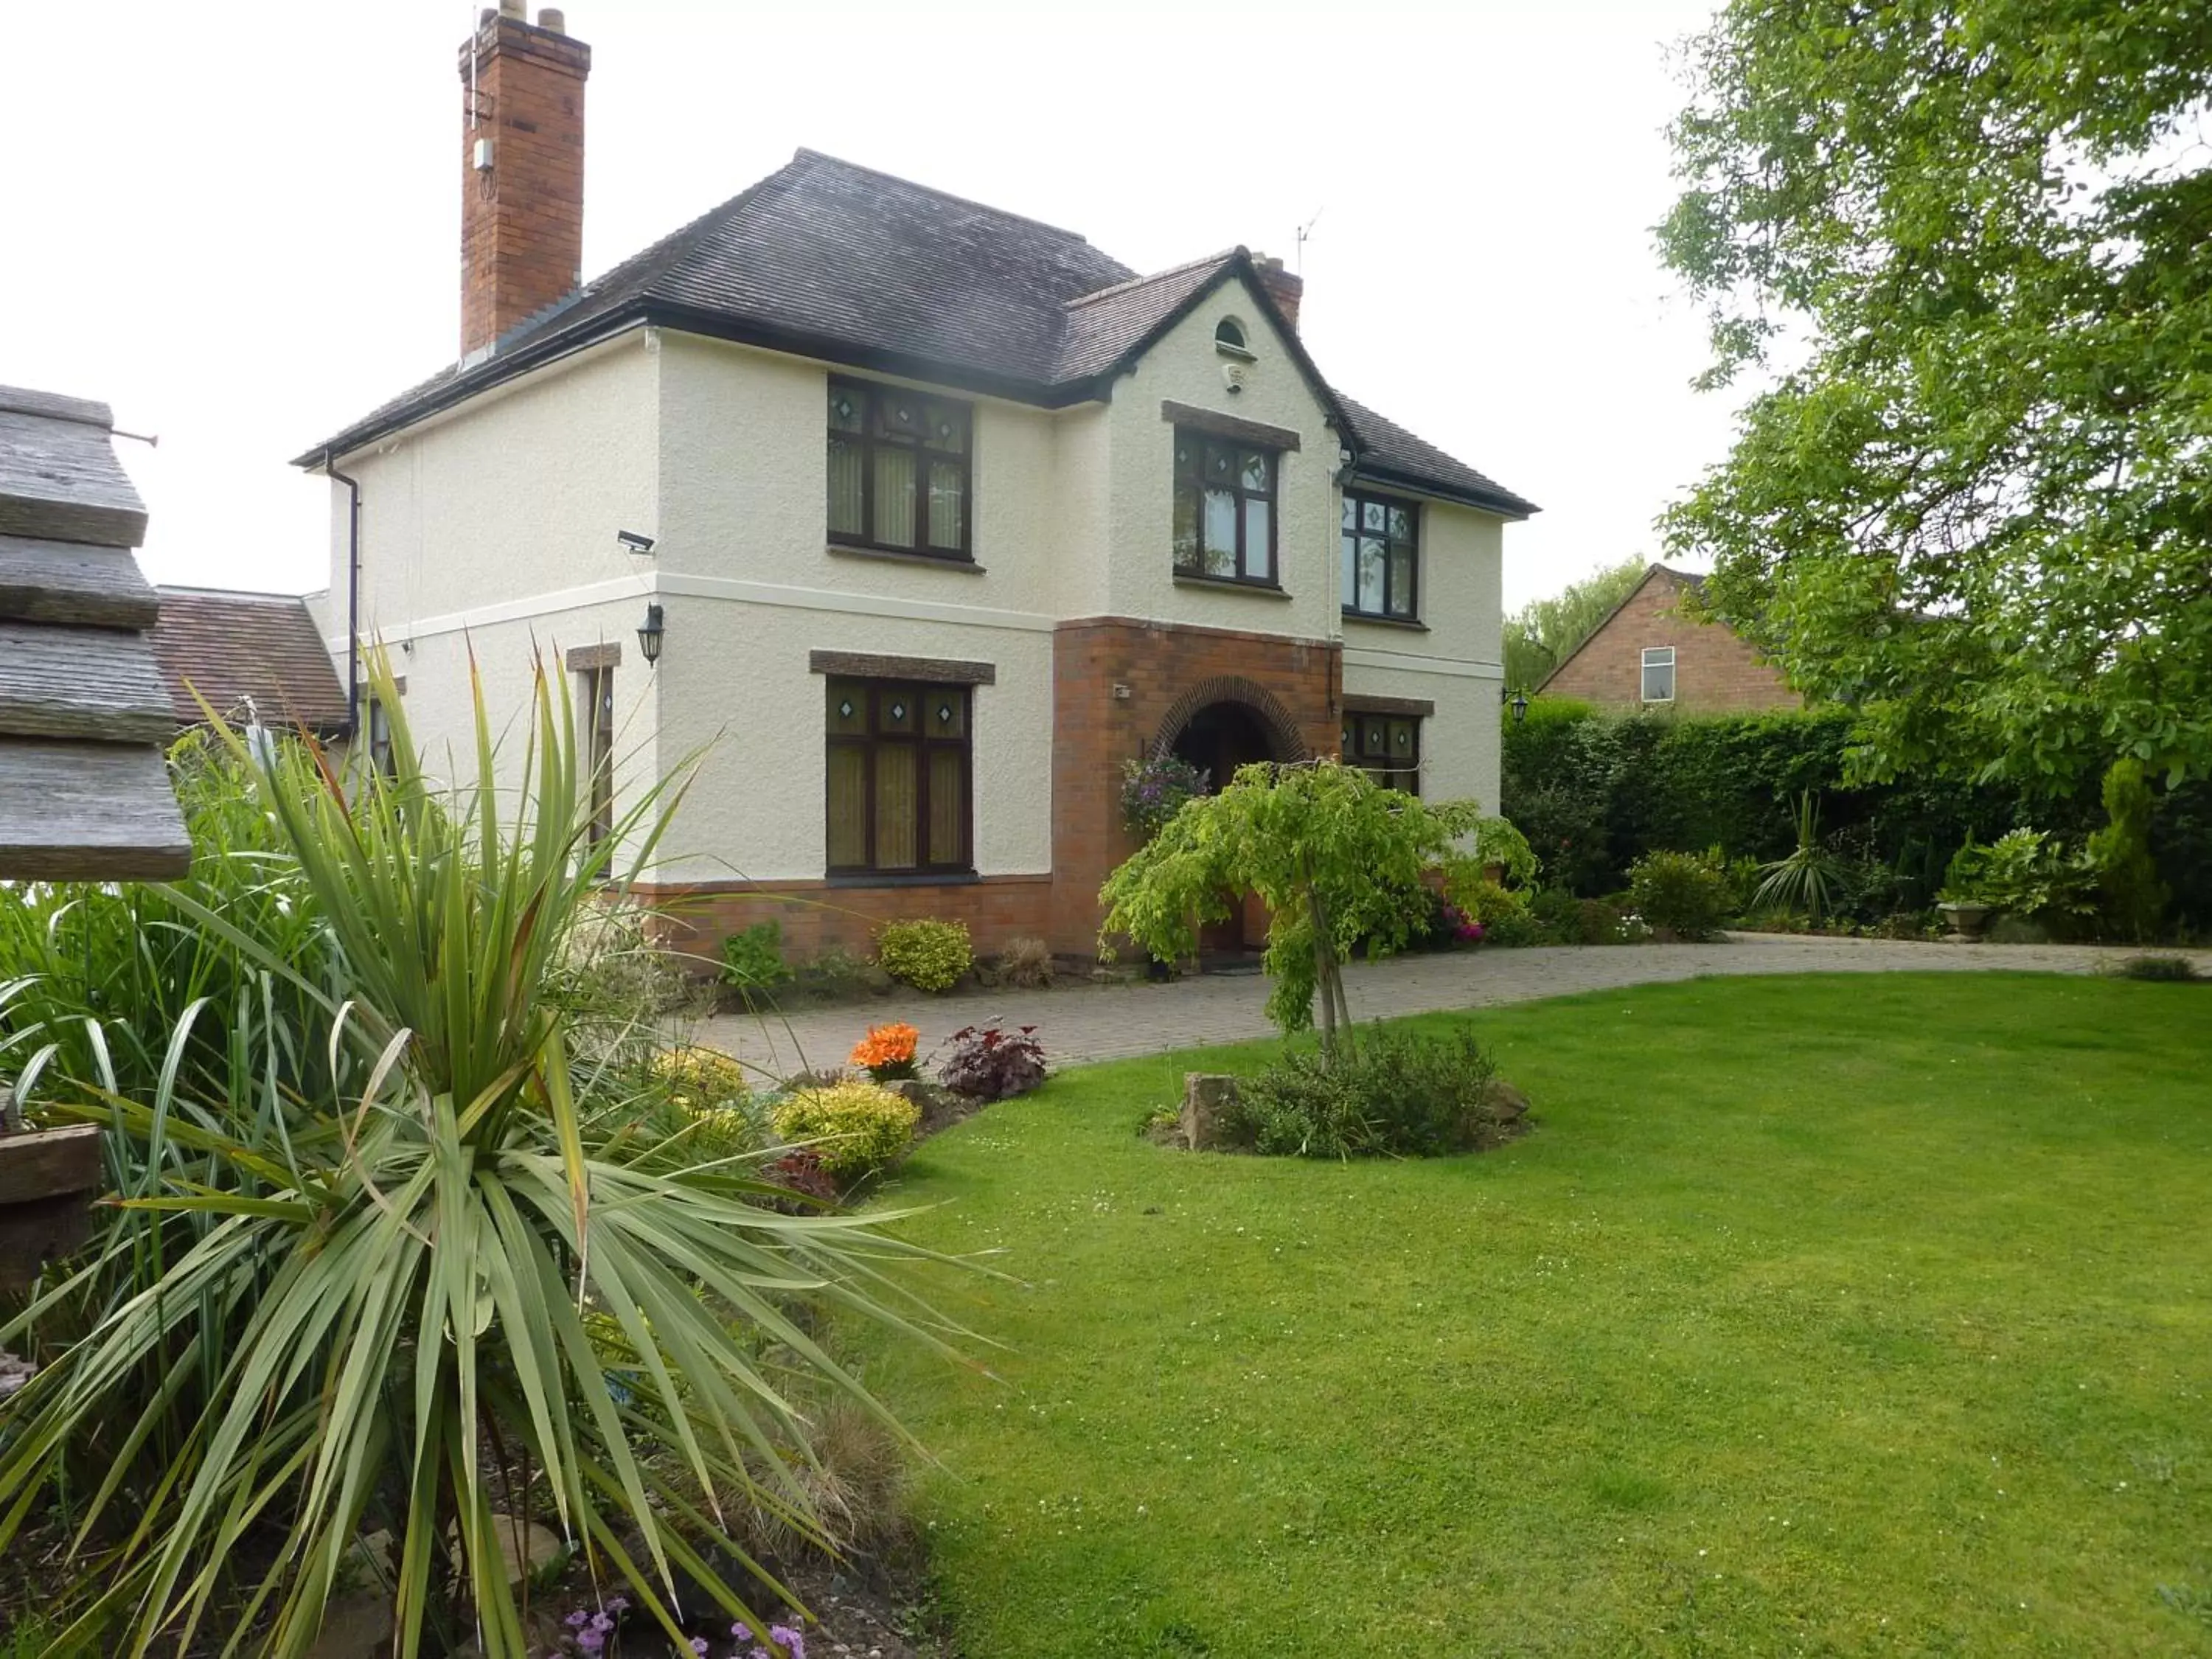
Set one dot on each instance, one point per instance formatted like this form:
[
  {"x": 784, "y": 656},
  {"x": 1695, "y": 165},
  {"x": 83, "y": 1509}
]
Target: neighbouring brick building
[
  {"x": 941, "y": 515},
  {"x": 1650, "y": 655}
]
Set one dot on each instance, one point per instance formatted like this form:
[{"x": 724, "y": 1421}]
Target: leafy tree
[
  {"x": 1336, "y": 857},
  {"x": 1544, "y": 633},
  {"x": 2135, "y": 898},
  {"x": 1975, "y": 502}
]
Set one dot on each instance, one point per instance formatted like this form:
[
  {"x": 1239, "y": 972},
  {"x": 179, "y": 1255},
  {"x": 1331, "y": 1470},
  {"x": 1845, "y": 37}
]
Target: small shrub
[
  {"x": 930, "y": 955},
  {"x": 2027, "y": 874},
  {"x": 839, "y": 973},
  {"x": 991, "y": 1063},
  {"x": 886, "y": 1054},
  {"x": 1596, "y": 922},
  {"x": 1026, "y": 963},
  {"x": 858, "y": 1128},
  {"x": 1485, "y": 904},
  {"x": 1384, "y": 1092},
  {"x": 801, "y": 1171},
  {"x": 1679, "y": 893},
  {"x": 2156, "y": 968},
  {"x": 1902, "y": 924},
  {"x": 700, "y": 1079},
  {"x": 752, "y": 958},
  {"x": 2127, "y": 875}
]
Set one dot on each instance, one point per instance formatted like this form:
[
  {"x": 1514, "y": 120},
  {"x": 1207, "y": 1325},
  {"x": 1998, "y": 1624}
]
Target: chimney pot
[
  {"x": 1285, "y": 288},
  {"x": 552, "y": 20},
  {"x": 514, "y": 8}
]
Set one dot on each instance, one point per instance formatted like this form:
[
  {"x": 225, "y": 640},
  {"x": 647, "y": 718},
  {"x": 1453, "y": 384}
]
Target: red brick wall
[
  {"x": 522, "y": 222},
  {"x": 1294, "y": 686},
  {"x": 814, "y": 915},
  {"x": 1716, "y": 671}
]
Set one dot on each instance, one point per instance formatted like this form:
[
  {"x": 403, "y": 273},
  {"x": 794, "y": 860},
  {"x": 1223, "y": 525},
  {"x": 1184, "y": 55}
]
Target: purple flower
[
  {"x": 699, "y": 1646},
  {"x": 793, "y": 1643},
  {"x": 591, "y": 1638},
  {"x": 578, "y": 1618}
]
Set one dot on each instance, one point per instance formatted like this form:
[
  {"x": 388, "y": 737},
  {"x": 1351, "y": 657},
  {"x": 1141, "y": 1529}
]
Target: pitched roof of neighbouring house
[
  {"x": 253, "y": 656},
  {"x": 826, "y": 259},
  {"x": 1682, "y": 578},
  {"x": 84, "y": 790}
]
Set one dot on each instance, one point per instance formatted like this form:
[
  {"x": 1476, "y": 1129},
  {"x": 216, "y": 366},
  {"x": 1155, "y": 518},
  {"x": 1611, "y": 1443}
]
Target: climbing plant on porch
[{"x": 1336, "y": 857}]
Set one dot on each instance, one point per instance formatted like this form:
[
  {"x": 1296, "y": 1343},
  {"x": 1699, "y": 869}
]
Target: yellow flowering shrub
[
  {"x": 700, "y": 1079},
  {"x": 857, "y": 1128},
  {"x": 930, "y": 955}
]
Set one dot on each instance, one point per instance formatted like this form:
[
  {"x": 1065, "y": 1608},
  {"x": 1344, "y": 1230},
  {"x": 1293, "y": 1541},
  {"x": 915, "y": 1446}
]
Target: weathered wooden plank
[
  {"x": 82, "y": 683},
  {"x": 48, "y": 1163},
  {"x": 59, "y": 478},
  {"x": 74, "y": 582},
  {"x": 88, "y": 811},
  {"x": 32, "y": 1235},
  {"x": 56, "y": 406}
]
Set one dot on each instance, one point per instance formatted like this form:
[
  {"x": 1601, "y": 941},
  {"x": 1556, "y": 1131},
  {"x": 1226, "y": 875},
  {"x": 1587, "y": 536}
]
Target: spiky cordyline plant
[
  {"x": 390, "y": 1290},
  {"x": 1807, "y": 881}
]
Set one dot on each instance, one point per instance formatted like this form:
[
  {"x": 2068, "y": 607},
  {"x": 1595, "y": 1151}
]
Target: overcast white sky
[{"x": 238, "y": 222}]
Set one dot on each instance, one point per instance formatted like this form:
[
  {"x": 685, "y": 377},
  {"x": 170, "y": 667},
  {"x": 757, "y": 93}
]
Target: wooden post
[{"x": 48, "y": 1178}]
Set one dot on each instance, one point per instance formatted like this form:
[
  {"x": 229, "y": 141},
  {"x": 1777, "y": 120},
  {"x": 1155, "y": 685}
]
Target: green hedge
[{"x": 1592, "y": 792}]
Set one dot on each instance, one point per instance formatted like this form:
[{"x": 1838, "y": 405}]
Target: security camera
[{"x": 634, "y": 542}]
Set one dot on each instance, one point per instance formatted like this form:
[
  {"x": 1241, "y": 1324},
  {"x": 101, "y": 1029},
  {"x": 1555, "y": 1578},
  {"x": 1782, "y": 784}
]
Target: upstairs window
[
  {"x": 1658, "y": 673},
  {"x": 899, "y": 778},
  {"x": 1228, "y": 340},
  {"x": 898, "y": 471},
  {"x": 1381, "y": 557},
  {"x": 1224, "y": 509},
  {"x": 1387, "y": 747}
]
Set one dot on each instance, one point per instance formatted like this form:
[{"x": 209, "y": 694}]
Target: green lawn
[{"x": 1821, "y": 1315}]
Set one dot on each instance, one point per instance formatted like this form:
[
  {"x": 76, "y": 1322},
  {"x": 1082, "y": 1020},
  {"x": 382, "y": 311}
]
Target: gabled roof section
[
  {"x": 1103, "y": 329},
  {"x": 1389, "y": 454},
  {"x": 256, "y": 656},
  {"x": 1652, "y": 573},
  {"x": 826, "y": 259}
]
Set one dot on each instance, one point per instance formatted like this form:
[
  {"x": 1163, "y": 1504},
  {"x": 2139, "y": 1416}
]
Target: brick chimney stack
[
  {"x": 1284, "y": 288},
  {"x": 522, "y": 171}
]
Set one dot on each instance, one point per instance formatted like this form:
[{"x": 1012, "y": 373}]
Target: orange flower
[{"x": 885, "y": 1045}]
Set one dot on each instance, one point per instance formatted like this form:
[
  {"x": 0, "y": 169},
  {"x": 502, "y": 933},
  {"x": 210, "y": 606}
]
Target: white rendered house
[{"x": 950, "y": 515}]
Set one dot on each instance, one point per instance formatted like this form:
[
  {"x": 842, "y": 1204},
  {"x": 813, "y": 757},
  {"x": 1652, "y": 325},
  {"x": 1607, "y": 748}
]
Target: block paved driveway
[{"x": 1086, "y": 1022}]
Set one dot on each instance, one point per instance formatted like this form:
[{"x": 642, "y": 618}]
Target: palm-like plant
[
  {"x": 1805, "y": 883},
  {"x": 383, "y": 1288}
]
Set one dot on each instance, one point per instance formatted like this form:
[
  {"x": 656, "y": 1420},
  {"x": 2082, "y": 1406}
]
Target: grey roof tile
[{"x": 861, "y": 267}]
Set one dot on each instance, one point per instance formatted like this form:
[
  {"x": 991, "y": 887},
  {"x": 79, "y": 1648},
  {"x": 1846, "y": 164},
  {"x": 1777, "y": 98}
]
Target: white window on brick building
[{"x": 1658, "y": 673}]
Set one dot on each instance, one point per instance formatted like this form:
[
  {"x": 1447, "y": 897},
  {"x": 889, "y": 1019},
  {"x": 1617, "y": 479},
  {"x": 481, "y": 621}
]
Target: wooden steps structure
[{"x": 84, "y": 717}]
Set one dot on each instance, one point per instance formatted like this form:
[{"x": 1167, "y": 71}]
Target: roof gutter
[{"x": 352, "y": 590}]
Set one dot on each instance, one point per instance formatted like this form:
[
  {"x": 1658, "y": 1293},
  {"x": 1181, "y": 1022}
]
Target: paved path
[{"x": 1108, "y": 1021}]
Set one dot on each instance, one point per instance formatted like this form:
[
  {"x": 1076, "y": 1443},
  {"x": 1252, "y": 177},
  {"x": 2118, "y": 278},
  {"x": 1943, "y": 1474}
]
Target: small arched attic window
[{"x": 1228, "y": 339}]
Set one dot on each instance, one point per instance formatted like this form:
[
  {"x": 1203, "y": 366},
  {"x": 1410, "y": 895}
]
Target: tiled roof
[
  {"x": 1390, "y": 454},
  {"x": 1100, "y": 328},
  {"x": 831, "y": 260},
  {"x": 252, "y": 655}
]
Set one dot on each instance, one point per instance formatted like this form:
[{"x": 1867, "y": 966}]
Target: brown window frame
[
  {"x": 598, "y": 704},
  {"x": 1358, "y": 722},
  {"x": 1348, "y": 539},
  {"x": 1192, "y": 482},
  {"x": 873, "y": 742},
  {"x": 867, "y": 441}
]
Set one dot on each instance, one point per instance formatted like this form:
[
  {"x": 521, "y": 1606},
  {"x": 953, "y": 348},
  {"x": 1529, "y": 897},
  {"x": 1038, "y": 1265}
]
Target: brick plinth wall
[
  {"x": 1716, "y": 672},
  {"x": 815, "y": 914},
  {"x": 522, "y": 219},
  {"x": 1293, "y": 688}
]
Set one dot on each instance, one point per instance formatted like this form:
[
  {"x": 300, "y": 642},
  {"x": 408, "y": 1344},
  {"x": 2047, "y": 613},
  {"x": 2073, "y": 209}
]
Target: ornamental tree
[
  {"x": 1337, "y": 858},
  {"x": 1974, "y": 504}
]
